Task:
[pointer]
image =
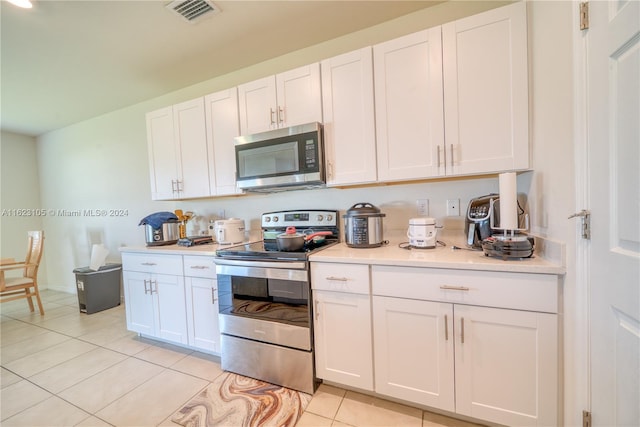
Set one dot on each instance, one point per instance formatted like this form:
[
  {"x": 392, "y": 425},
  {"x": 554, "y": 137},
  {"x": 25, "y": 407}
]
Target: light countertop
[
  {"x": 444, "y": 257},
  {"x": 547, "y": 259},
  {"x": 208, "y": 249}
]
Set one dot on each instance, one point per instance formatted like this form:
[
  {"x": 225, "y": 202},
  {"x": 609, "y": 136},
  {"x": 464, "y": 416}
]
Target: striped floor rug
[{"x": 235, "y": 400}]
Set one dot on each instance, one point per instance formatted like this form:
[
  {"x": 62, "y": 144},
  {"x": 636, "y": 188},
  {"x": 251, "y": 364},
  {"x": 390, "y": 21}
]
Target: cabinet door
[
  {"x": 258, "y": 106},
  {"x": 139, "y": 304},
  {"x": 202, "y": 313},
  {"x": 162, "y": 153},
  {"x": 506, "y": 365},
  {"x": 223, "y": 125},
  {"x": 486, "y": 91},
  {"x": 299, "y": 96},
  {"x": 408, "y": 106},
  {"x": 413, "y": 348},
  {"x": 171, "y": 315},
  {"x": 343, "y": 344},
  {"x": 349, "y": 123},
  {"x": 191, "y": 137}
]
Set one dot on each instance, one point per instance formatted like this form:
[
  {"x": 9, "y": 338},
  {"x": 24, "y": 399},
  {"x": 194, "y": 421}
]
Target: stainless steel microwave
[{"x": 281, "y": 159}]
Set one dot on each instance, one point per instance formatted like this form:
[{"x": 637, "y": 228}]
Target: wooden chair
[{"x": 13, "y": 288}]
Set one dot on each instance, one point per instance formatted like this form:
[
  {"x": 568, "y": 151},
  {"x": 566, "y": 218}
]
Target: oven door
[{"x": 266, "y": 302}]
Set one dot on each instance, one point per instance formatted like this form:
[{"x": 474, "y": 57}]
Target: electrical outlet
[
  {"x": 453, "y": 207},
  {"x": 422, "y": 207}
]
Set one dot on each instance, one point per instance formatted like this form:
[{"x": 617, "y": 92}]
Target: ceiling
[{"x": 63, "y": 62}]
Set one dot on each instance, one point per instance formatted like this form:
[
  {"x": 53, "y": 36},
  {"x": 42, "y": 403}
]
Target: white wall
[{"x": 20, "y": 201}]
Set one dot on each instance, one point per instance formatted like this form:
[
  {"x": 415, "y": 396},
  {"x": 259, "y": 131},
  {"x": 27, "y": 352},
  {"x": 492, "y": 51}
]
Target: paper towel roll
[
  {"x": 508, "y": 201},
  {"x": 98, "y": 256}
]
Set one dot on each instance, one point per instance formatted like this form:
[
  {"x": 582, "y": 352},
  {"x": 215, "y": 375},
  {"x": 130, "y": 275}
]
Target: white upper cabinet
[
  {"x": 349, "y": 122},
  {"x": 286, "y": 99},
  {"x": 222, "y": 125},
  {"x": 453, "y": 100},
  {"x": 177, "y": 145},
  {"x": 408, "y": 105},
  {"x": 486, "y": 91},
  {"x": 162, "y": 150}
]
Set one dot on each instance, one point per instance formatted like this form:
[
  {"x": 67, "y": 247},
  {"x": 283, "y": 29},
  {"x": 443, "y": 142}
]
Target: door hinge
[
  {"x": 585, "y": 217},
  {"x": 586, "y": 419},
  {"x": 584, "y": 15}
]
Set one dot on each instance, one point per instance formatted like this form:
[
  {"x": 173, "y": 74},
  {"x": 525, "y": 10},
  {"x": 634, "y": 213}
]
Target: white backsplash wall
[{"x": 397, "y": 202}]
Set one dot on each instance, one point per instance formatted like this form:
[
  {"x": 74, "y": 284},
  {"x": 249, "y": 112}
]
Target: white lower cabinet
[
  {"x": 413, "y": 347},
  {"x": 172, "y": 298},
  {"x": 506, "y": 365},
  {"x": 155, "y": 305},
  {"x": 434, "y": 347},
  {"x": 342, "y": 325},
  {"x": 201, "y": 289}
]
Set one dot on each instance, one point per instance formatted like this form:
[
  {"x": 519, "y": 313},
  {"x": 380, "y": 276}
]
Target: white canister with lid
[{"x": 422, "y": 232}]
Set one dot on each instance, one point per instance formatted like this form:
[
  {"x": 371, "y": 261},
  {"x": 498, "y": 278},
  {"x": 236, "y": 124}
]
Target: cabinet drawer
[
  {"x": 199, "y": 266},
  {"x": 522, "y": 291},
  {"x": 351, "y": 278},
  {"x": 152, "y": 263}
]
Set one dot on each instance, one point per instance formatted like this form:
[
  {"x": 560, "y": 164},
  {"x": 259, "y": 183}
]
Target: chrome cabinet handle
[
  {"x": 338, "y": 279},
  {"x": 438, "y": 155},
  {"x": 148, "y": 263},
  {"x": 446, "y": 328},
  {"x": 454, "y": 288},
  {"x": 145, "y": 287},
  {"x": 213, "y": 295},
  {"x": 271, "y": 119},
  {"x": 280, "y": 114},
  {"x": 199, "y": 267},
  {"x": 462, "y": 330},
  {"x": 316, "y": 308}
]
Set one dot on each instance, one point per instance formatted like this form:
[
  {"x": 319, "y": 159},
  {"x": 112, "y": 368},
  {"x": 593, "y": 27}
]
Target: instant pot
[{"x": 363, "y": 226}]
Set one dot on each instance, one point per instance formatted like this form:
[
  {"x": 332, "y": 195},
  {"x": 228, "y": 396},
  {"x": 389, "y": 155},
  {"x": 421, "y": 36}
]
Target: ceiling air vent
[{"x": 193, "y": 10}]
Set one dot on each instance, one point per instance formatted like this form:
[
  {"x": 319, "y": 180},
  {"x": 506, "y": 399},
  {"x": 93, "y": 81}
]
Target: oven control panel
[{"x": 300, "y": 218}]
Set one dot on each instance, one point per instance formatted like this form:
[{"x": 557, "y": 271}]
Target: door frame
[{"x": 577, "y": 345}]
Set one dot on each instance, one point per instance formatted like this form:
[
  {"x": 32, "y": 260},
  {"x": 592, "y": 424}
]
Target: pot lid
[
  {"x": 422, "y": 221},
  {"x": 364, "y": 209}
]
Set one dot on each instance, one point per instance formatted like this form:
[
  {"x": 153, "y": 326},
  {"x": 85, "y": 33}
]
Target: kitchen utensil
[
  {"x": 363, "y": 226},
  {"x": 229, "y": 231},
  {"x": 291, "y": 241},
  {"x": 422, "y": 232}
]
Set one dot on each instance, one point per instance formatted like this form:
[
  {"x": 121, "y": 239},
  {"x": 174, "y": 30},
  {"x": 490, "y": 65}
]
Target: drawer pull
[
  {"x": 338, "y": 279},
  {"x": 446, "y": 328},
  {"x": 454, "y": 288},
  {"x": 149, "y": 263},
  {"x": 199, "y": 267}
]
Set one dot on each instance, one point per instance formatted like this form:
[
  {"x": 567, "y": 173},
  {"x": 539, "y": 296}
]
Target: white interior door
[{"x": 613, "y": 116}]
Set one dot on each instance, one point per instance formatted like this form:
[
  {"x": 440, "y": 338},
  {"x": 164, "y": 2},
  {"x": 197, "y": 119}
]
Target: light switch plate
[
  {"x": 453, "y": 207},
  {"x": 422, "y": 207}
]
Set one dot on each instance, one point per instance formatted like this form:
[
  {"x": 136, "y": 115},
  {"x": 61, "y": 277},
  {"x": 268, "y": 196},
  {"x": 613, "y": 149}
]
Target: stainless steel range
[{"x": 265, "y": 301}]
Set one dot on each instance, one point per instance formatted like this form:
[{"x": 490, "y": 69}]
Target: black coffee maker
[{"x": 478, "y": 221}]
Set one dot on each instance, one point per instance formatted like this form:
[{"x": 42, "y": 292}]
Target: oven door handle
[{"x": 249, "y": 269}]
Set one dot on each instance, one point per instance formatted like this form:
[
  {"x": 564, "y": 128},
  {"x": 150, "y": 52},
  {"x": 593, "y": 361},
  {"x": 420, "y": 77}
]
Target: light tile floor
[{"x": 67, "y": 368}]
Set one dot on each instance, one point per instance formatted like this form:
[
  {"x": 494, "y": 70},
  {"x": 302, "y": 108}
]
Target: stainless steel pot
[
  {"x": 291, "y": 241},
  {"x": 167, "y": 234},
  {"x": 363, "y": 226}
]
